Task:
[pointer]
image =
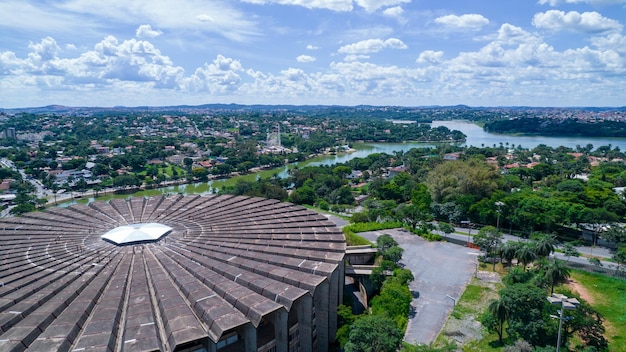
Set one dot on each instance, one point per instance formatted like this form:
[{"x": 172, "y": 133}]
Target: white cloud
[
  {"x": 468, "y": 21},
  {"x": 394, "y": 12},
  {"x": 25, "y": 16},
  {"x": 513, "y": 64},
  {"x": 146, "y": 31},
  {"x": 586, "y": 22},
  {"x": 204, "y": 18},
  {"x": 512, "y": 35},
  {"x": 372, "y": 46},
  {"x": 593, "y": 2},
  {"x": 109, "y": 61},
  {"x": 45, "y": 50},
  {"x": 612, "y": 42},
  {"x": 350, "y": 58},
  {"x": 219, "y": 17},
  {"x": 334, "y": 5},
  {"x": 312, "y": 47},
  {"x": 218, "y": 77},
  {"x": 305, "y": 58},
  {"x": 373, "y": 5},
  {"x": 430, "y": 57}
]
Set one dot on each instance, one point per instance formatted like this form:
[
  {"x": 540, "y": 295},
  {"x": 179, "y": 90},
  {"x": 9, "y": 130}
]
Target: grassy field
[
  {"x": 609, "y": 298},
  {"x": 464, "y": 326},
  {"x": 606, "y": 294}
]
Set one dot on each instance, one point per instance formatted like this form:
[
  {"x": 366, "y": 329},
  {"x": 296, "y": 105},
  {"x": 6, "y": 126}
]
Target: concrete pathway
[{"x": 442, "y": 270}]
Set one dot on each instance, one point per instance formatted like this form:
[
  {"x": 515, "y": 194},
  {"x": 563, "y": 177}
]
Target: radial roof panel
[{"x": 157, "y": 273}]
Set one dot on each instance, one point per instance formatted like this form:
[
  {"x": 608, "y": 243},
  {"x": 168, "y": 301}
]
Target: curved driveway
[{"x": 441, "y": 271}]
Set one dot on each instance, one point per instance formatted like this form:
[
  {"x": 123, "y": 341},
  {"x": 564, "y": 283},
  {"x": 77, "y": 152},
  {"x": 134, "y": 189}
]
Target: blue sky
[{"x": 345, "y": 52}]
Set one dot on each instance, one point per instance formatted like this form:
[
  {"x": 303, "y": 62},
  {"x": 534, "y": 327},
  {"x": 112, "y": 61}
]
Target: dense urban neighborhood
[{"x": 554, "y": 204}]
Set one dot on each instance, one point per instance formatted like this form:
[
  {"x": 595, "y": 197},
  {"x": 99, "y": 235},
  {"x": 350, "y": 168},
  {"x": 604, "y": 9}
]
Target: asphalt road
[
  {"x": 600, "y": 252},
  {"x": 441, "y": 271}
]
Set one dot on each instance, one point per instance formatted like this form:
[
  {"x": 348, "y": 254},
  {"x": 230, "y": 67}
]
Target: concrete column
[
  {"x": 304, "y": 306},
  {"x": 342, "y": 279},
  {"x": 280, "y": 319},
  {"x": 322, "y": 304},
  {"x": 336, "y": 290},
  {"x": 250, "y": 338}
]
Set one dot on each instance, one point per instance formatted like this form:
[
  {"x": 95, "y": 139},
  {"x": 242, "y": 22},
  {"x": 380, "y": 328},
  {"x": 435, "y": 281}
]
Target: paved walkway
[{"x": 441, "y": 271}]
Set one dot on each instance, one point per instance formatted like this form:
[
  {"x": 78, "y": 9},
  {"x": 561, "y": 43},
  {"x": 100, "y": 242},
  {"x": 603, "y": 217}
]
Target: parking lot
[{"x": 441, "y": 271}]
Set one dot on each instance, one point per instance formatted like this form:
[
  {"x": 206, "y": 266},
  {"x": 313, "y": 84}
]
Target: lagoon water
[
  {"x": 478, "y": 138},
  {"x": 475, "y": 137}
]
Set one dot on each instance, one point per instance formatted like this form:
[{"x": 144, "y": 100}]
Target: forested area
[{"x": 557, "y": 127}]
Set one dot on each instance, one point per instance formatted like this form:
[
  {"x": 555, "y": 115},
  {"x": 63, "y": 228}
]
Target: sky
[{"x": 319, "y": 52}]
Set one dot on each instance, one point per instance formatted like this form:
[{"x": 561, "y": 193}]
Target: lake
[{"x": 478, "y": 138}]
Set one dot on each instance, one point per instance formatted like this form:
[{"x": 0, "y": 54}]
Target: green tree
[
  {"x": 496, "y": 316},
  {"x": 303, "y": 195},
  {"x": 384, "y": 242},
  {"x": 358, "y": 217},
  {"x": 620, "y": 258},
  {"x": 556, "y": 273},
  {"x": 188, "y": 162},
  {"x": 488, "y": 239},
  {"x": 22, "y": 208},
  {"x": 615, "y": 233},
  {"x": 379, "y": 273},
  {"x": 587, "y": 323},
  {"x": 415, "y": 216},
  {"x": 394, "y": 301},
  {"x": 507, "y": 251},
  {"x": 569, "y": 250},
  {"x": 595, "y": 262},
  {"x": 445, "y": 228},
  {"x": 374, "y": 333},
  {"x": 525, "y": 303},
  {"x": 525, "y": 254},
  {"x": 200, "y": 173},
  {"x": 544, "y": 245},
  {"x": 394, "y": 254}
]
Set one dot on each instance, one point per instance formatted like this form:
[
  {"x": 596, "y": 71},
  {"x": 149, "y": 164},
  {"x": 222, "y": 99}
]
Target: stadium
[{"x": 170, "y": 273}]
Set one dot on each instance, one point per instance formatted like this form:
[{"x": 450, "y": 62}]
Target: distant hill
[{"x": 60, "y": 109}]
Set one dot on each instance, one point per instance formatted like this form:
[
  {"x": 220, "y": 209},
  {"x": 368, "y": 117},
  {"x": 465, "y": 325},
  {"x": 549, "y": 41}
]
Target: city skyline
[{"x": 385, "y": 52}]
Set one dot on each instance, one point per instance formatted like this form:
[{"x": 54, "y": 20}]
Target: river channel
[{"x": 475, "y": 137}]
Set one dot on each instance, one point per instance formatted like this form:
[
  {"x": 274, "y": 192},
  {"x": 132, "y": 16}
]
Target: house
[{"x": 452, "y": 156}]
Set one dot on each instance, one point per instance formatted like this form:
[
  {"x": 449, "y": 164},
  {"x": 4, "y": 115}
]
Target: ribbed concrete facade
[{"x": 234, "y": 274}]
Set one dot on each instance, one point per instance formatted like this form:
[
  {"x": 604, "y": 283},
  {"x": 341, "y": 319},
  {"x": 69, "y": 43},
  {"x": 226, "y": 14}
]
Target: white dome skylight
[{"x": 137, "y": 233}]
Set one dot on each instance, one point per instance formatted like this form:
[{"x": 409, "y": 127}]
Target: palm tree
[
  {"x": 556, "y": 273},
  {"x": 545, "y": 245},
  {"x": 498, "y": 310},
  {"x": 525, "y": 254},
  {"x": 507, "y": 251}
]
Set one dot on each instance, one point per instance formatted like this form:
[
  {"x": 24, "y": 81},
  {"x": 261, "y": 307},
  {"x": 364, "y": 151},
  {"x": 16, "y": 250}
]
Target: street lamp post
[
  {"x": 499, "y": 211},
  {"x": 565, "y": 303},
  {"x": 499, "y": 205}
]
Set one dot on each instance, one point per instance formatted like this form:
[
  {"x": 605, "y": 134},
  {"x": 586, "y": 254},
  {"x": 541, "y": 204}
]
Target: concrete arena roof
[{"x": 228, "y": 261}]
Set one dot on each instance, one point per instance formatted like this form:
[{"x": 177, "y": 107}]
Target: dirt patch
[
  {"x": 586, "y": 295},
  {"x": 489, "y": 276},
  {"x": 581, "y": 290},
  {"x": 465, "y": 327}
]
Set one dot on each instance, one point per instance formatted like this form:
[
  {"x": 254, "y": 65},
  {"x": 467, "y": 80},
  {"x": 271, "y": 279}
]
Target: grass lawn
[
  {"x": 609, "y": 298},
  {"x": 606, "y": 294},
  {"x": 464, "y": 326}
]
